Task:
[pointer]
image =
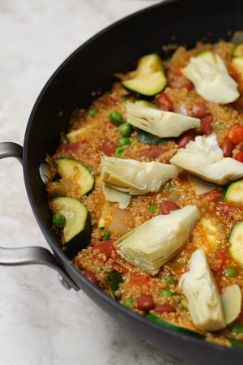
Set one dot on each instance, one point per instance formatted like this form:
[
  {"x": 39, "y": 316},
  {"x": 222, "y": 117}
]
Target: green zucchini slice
[
  {"x": 234, "y": 193},
  {"x": 236, "y": 243},
  {"x": 238, "y": 51},
  {"x": 147, "y": 85},
  {"x": 75, "y": 177},
  {"x": 77, "y": 230},
  {"x": 152, "y": 317},
  {"x": 233, "y": 342}
]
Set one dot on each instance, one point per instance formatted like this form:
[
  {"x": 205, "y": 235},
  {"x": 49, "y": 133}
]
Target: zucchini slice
[
  {"x": 152, "y": 317},
  {"x": 75, "y": 177},
  {"x": 77, "y": 230},
  {"x": 234, "y": 193},
  {"x": 149, "y": 78},
  {"x": 147, "y": 85},
  {"x": 238, "y": 51},
  {"x": 236, "y": 243}
]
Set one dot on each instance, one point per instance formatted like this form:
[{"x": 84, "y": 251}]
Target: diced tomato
[
  {"x": 186, "y": 137},
  {"x": 164, "y": 102},
  {"x": 119, "y": 268},
  {"x": 164, "y": 308},
  {"x": 235, "y": 134},
  {"x": 145, "y": 302},
  {"x": 189, "y": 85},
  {"x": 220, "y": 261},
  {"x": 168, "y": 206},
  {"x": 138, "y": 280},
  {"x": 152, "y": 152},
  {"x": 199, "y": 110},
  {"x": 206, "y": 124},
  {"x": 106, "y": 247},
  {"x": 227, "y": 147},
  {"x": 108, "y": 147},
  {"x": 70, "y": 148},
  {"x": 91, "y": 276},
  {"x": 212, "y": 195},
  {"x": 239, "y": 156}
]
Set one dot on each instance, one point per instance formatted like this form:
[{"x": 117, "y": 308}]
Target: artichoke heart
[
  {"x": 159, "y": 122},
  {"x": 202, "y": 294},
  {"x": 134, "y": 177},
  {"x": 211, "y": 79},
  {"x": 209, "y": 310},
  {"x": 155, "y": 242},
  {"x": 204, "y": 158}
]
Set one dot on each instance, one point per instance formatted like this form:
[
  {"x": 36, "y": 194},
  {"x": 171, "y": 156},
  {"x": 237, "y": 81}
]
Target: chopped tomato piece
[
  {"x": 186, "y": 138},
  {"x": 227, "y": 147},
  {"x": 91, "y": 276},
  {"x": 199, "y": 110},
  {"x": 239, "y": 156},
  {"x": 164, "y": 102},
  {"x": 119, "y": 268},
  {"x": 235, "y": 134},
  {"x": 108, "y": 147},
  {"x": 106, "y": 247},
  {"x": 168, "y": 206},
  {"x": 71, "y": 147},
  {"x": 206, "y": 125},
  {"x": 212, "y": 195},
  {"x": 145, "y": 302},
  {"x": 138, "y": 280},
  {"x": 152, "y": 152},
  {"x": 164, "y": 308}
]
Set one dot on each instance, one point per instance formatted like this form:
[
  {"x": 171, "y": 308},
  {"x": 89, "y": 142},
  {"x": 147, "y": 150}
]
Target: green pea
[
  {"x": 119, "y": 151},
  {"x": 59, "y": 220},
  {"x": 237, "y": 328},
  {"x": 128, "y": 303},
  {"x": 125, "y": 129},
  {"x": 124, "y": 141},
  {"x": 152, "y": 208},
  {"x": 170, "y": 280},
  {"x": 106, "y": 236},
  {"x": 166, "y": 293},
  {"x": 230, "y": 272},
  {"x": 92, "y": 112},
  {"x": 116, "y": 118}
]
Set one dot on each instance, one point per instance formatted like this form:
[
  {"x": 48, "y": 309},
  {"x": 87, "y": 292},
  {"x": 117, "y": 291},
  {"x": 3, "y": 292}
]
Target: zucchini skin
[
  {"x": 80, "y": 241},
  {"x": 162, "y": 322},
  {"x": 233, "y": 192}
]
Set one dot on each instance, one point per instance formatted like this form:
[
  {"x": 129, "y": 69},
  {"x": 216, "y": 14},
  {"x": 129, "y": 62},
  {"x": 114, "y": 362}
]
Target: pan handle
[{"x": 34, "y": 254}]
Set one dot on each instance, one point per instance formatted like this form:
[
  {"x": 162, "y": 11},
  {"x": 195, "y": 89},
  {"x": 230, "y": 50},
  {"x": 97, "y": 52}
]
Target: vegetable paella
[{"x": 146, "y": 191}]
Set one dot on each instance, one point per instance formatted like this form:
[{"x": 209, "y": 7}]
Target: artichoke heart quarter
[
  {"x": 155, "y": 242},
  {"x": 134, "y": 177},
  {"x": 159, "y": 122},
  {"x": 204, "y": 158},
  {"x": 203, "y": 296}
]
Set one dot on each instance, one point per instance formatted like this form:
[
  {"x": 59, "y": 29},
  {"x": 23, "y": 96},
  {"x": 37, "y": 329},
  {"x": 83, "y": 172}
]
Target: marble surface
[{"x": 41, "y": 323}]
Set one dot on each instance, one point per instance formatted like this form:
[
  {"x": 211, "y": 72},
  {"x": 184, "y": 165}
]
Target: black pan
[{"x": 91, "y": 68}]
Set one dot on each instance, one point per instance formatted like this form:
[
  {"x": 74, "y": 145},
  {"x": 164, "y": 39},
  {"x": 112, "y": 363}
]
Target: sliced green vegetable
[
  {"x": 166, "y": 293},
  {"x": 59, "y": 220},
  {"x": 92, "y": 111},
  {"x": 77, "y": 230},
  {"x": 128, "y": 303},
  {"x": 170, "y": 280},
  {"x": 238, "y": 51},
  {"x": 152, "y": 208},
  {"x": 116, "y": 118},
  {"x": 149, "y": 64},
  {"x": 124, "y": 141},
  {"x": 125, "y": 129},
  {"x": 148, "y": 138},
  {"x": 119, "y": 151},
  {"x": 106, "y": 236},
  {"x": 231, "y": 272},
  {"x": 74, "y": 176},
  {"x": 236, "y": 243},
  {"x": 152, "y": 317},
  {"x": 145, "y": 103},
  {"x": 234, "y": 193},
  {"x": 235, "y": 343},
  {"x": 114, "y": 280},
  {"x": 237, "y": 328}
]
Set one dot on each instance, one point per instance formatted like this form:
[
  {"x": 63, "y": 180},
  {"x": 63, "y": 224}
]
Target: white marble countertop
[{"x": 41, "y": 323}]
